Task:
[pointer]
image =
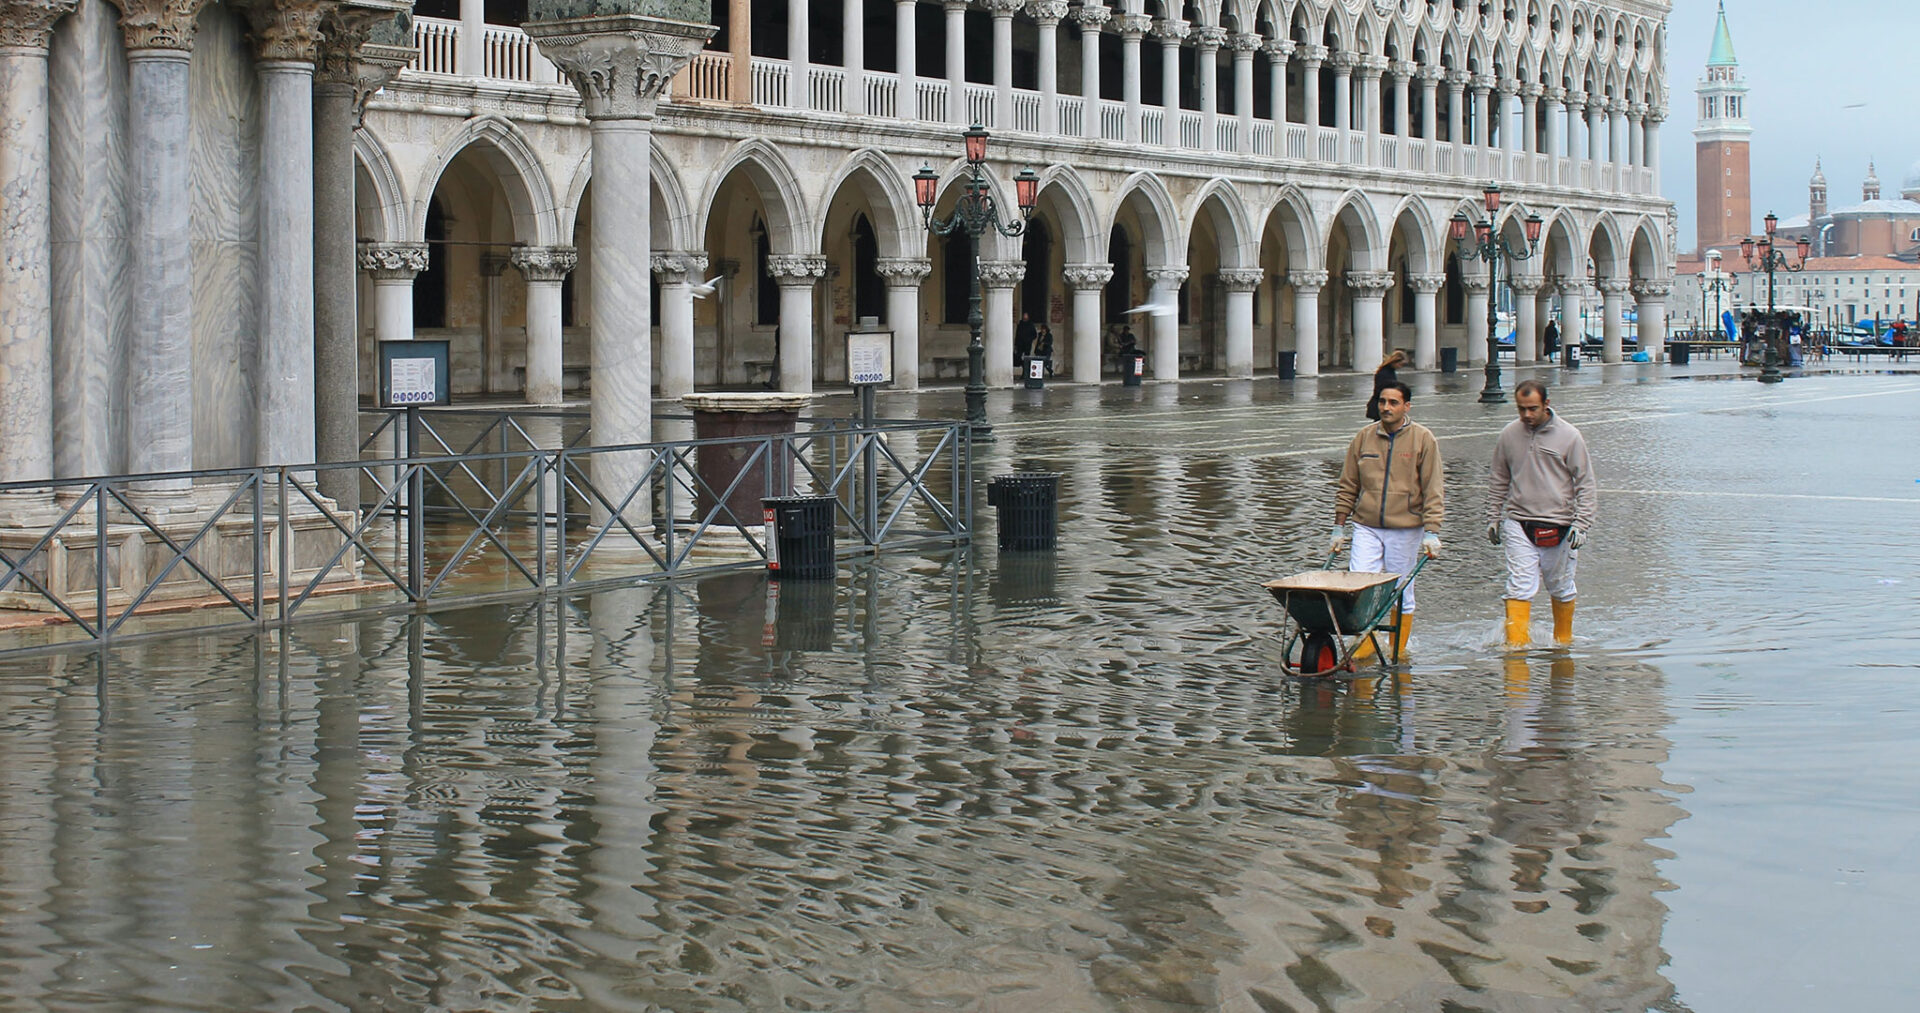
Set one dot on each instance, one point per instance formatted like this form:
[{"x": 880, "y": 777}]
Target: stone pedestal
[{"x": 725, "y": 415}]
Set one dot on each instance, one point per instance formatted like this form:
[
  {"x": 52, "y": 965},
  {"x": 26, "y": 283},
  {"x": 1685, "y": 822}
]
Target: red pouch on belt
[{"x": 1544, "y": 535}]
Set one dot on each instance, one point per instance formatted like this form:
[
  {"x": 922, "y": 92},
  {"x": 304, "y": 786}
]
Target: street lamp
[
  {"x": 1762, "y": 256},
  {"x": 974, "y": 213},
  {"x": 1491, "y": 247},
  {"x": 1716, "y": 281}
]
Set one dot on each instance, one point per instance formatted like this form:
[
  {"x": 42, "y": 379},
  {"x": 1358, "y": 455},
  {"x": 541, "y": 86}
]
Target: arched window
[{"x": 869, "y": 294}]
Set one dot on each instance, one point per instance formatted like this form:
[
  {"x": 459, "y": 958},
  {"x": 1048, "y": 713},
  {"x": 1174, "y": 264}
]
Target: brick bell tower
[{"x": 1723, "y": 177}]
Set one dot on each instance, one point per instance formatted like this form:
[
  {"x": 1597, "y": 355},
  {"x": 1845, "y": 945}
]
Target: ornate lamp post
[
  {"x": 974, "y": 213},
  {"x": 1763, "y": 257},
  {"x": 1491, "y": 247},
  {"x": 1716, "y": 281}
]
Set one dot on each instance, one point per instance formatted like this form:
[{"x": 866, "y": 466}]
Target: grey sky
[{"x": 1806, "y": 62}]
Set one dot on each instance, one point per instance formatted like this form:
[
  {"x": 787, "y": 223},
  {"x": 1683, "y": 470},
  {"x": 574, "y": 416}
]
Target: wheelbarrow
[{"x": 1330, "y": 613}]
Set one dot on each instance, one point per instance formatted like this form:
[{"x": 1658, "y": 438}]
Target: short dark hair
[
  {"x": 1531, "y": 387},
  {"x": 1406, "y": 392}
]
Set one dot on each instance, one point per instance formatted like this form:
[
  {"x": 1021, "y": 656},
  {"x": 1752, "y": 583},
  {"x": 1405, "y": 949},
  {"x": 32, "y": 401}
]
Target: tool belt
[{"x": 1545, "y": 535}]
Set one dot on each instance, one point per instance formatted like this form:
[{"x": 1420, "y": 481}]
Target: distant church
[
  {"x": 1875, "y": 227},
  {"x": 1723, "y": 179}
]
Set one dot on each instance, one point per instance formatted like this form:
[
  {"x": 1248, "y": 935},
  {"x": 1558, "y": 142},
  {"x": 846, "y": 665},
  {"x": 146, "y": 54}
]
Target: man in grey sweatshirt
[{"x": 1541, "y": 501}]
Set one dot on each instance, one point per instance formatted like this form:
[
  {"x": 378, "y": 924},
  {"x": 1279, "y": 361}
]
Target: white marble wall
[{"x": 225, "y": 217}]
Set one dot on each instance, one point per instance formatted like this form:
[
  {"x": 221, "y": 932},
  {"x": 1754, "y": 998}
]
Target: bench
[
  {"x": 954, "y": 366},
  {"x": 571, "y": 377},
  {"x": 1892, "y": 352},
  {"x": 759, "y": 371}
]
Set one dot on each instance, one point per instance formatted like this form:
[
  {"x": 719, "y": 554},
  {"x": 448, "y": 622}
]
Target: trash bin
[
  {"x": 1284, "y": 364},
  {"x": 1679, "y": 353},
  {"x": 800, "y": 537},
  {"x": 1036, "y": 372},
  {"x": 1573, "y": 357},
  {"x": 1028, "y": 506},
  {"x": 1449, "y": 360},
  {"x": 1132, "y": 368}
]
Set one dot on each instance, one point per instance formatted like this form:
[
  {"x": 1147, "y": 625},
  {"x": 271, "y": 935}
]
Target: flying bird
[
  {"x": 1153, "y": 309},
  {"x": 705, "y": 288},
  {"x": 1856, "y": 105}
]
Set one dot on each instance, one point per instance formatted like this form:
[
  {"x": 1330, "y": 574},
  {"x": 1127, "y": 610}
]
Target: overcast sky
[{"x": 1834, "y": 78}]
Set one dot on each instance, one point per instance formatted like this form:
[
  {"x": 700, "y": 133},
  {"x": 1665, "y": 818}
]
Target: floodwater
[{"x": 1076, "y": 781}]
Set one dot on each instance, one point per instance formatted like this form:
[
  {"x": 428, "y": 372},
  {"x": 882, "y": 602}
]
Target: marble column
[
  {"x": 26, "y": 253},
  {"x": 1651, "y": 308},
  {"x": 1556, "y": 113},
  {"x": 1636, "y": 134},
  {"x": 799, "y": 56},
  {"x": 1457, "y": 118},
  {"x": 1475, "y": 317},
  {"x": 1613, "y": 302},
  {"x": 1571, "y": 324},
  {"x": 1526, "y": 317},
  {"x": 1164, "y": 351},
  {"x": 853, "y": 63},
  {"x": 1617, "y": 141},
  {"x": 471, "y": 57},
  {"x": 1502, "y": 118},
  {"x": 1430, "y": 107},
  {"x": 620, "y": 64},
  {"x": 393, "y": 266},
  {"x": 796, "y": 274},
  {"x": 1171, "y": 34},
  {"x": 1278, "y": 51},
  {"x": 1241, "y": 283},
  {"x": 1655, "y": 117},
  {"x": 904, "y": 276},
  {"x": 1529, "y": 119},
  {"x": 997, "y": 279},
  {"x": 1306, "y": 320},
  {"x": 160, "y": 388},
  {"x": 906, "y": 98},
  {"x": 1426, "y": 318},
  {"x": 957, "y": 112},
  {"x": 1133, "y": 28},
  {"x": 1001, "y": 12},
  {"x": 1596, "y": 134},
  {"x": 1089, "y": 284},
  {"x": 1369, "y": 71},
  {"x": 1047, "y": 15},
  {"x": 1343, "y": 64},
  {"x": 1403, "y": 71},
  {"x": 1312, "y": 55},
  {"x": 545, "y": 269},
  {"x": 1244, "y": 44},
  {"x": 1206, "y": 56},
  {"x": 1575, "y": 102},
  {"x": 1369, "y": 290},
  {"x": 1091, "y": 16},
  {"x": 1482, "y": 133},
  {"x": 677, "y": 273}
]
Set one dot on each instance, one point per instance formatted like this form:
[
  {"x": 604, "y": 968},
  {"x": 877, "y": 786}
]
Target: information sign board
[
  {"x": 414, "y": 374},
  {"x": 869, "y": 357}
]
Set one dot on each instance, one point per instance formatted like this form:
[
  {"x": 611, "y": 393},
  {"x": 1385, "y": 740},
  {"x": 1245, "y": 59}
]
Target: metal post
[
  {"x": 870, "y": 491},
  {"x": 416, "y": 506},
  {"x": 1491, "y": 393},
  {"x": 976, "y": 351}
]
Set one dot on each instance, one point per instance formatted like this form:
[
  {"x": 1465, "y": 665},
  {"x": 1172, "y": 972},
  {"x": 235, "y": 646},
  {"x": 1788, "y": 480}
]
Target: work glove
[
  {"x": 1337, "y": 541},
  {"x": 1493, "y": 532},
  {"x": 1430, "y": 545},
  {"x": 1574, "y": 537}
]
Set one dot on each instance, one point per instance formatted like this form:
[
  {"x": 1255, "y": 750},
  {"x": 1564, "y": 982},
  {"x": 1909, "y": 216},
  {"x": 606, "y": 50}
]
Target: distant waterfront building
[{"x": 1878, "y": 226}]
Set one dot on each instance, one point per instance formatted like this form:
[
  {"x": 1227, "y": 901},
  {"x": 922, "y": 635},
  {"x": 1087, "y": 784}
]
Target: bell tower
[{"x": 1723, "y": 176}]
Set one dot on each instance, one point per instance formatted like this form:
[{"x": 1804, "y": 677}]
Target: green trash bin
[
  {"x": 1449, "y": 360},
  {"x": 1284, "y": 364},
  {"x": 1679, "y": 353}
]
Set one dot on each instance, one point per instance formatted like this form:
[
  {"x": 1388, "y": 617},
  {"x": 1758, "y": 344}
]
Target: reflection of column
[
  {"x": 1312, "y": 55},
  {"x": 997, "y": 279},
  {"x": 393, "y": 266},
  {"x": 1613, "y": 300},
  {"x": 1165, "y": 291},
  {"x": 1088, "y": 282},
  {"x": 1170, "y": 34},
  {"x": 1306, "y": 320},
  {"x": 1001, "y": 12},
  {"x": 796, "y": 274},
  {"x": 620, "y": 65},
  {"x": 1426, "y": 331},
  {"x": 1132, "y": 27},
  {"x": 904, "y": 276},
  {"x": 1207, "y": 42},
  {"x": 26, "y": 246},
  {"x": 1572, "y": 326},
  {"x": 1651, "y": 309},
  {"x": 1526, "y": 317},
  {"x": 1244, "y": 44},
  {"x": 956, "y": 63},
  {"x": 1091, "y": 16},
  {"x": 677, "y": 273},
  {"x": 1047, "y": 14},
  {"x": 906, "y": 98},
  {"x": 1369, "y": 290},
  {"x": 544, "y": 268},
  {"x": 1278, "y": 50},
  {"x": 1240, "y": 283},
  {"x": 1475, "y": 315}
]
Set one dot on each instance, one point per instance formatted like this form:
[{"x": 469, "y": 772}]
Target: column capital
[
  {"x": 1596, "y": 105},
  {"x": 675, "y": 266},
  {"x": 1458, "y": 79},
  {"x": 1370, "y": 283},
  {"x": 1554, "y": 94},
  {"x": 1572, "y": 288},
  {"x": 1312, "y": 54},
  {"x": 1167, "y": 275},
  {"x": 1656, "y": 115},
  {"x": 1003, "y": 8},
  {"x": 1617, "y": 106},
  {"x": 1171, "y": 32},
  {"x": 1475, "y": 282},
  {"x": 1576, "y": 99},
  {"x": 1426, "y": 284},
  {"x": 620, "y": 64},
  {"x": 1614, "y": 287},
  {"x": 358, "y": 50},
  {"x": 1047, "y": 12},
  {"x": 544, "y": 263},
  {"x": 956, "y": 5},
  {"x": 1132, "y": 26},
  {"x": 1507, "y": 86},
  {"x": 1001, "y": 273},
  {"x": 1280, "y": 48},
  {"x": 1085, "y": 276},
  {"x": 796, "y": 270},
  {"x": 903, "y": 272},
  {"x": 393, "y": 261},
  {"x": 1091, "y": 16},
  {"x": 1652, "y": 289},
  {"x": 1531, "y": 91},
  {"x": 1243, "y": 44},
  {"x": 1403, "y": 69},
  {"x": 1483, "y": 82},
  {"x": 1431, "y": 73},
  {"x": 1345, "y": 59},
  {"x": 287, "y": 30},
  {"x": 28, "y": 24},
  {"x": 1637, "y": 111},
  {"x": 1209, "y": 37},
  {"x": 1242, "y": 279},
  {"x": 1303, "y": 280},
  {"x": 1529, "y": 283},
  {"x": 155, "y": 24}
]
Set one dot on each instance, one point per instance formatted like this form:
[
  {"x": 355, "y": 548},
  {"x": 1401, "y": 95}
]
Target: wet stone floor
[{"x": 1052, "y": 782}]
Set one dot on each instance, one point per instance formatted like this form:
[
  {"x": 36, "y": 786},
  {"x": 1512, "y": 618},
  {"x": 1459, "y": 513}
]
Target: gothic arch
[
  {"x": 386, "y": 206},
  {"x": 505, "y": 149},
  {"x": 1293, "y": 214},
  {"x": 1159, "y": 219},
  {"x": 672, "y": 218},
  {"x": 896, "y": 218},
  {"x": 1425, "y": 237},
  {"x": 1646, "y": 257},
  {"x": 1607, "y": 247},
  {"x": 1239, "y": 244},
  {"x": 1063, "y": 192},
  {"x": 772, "y": 177},
  {"x": 1363, "y": 231}
]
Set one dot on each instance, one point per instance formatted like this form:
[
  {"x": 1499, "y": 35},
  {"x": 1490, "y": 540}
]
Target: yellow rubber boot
[
  {"x": 1400, "y": 641},
  {"x": 1519, "y": 622},
  {"x": 1364, "y": 653},
  {"x": 1563, "y": 622}
]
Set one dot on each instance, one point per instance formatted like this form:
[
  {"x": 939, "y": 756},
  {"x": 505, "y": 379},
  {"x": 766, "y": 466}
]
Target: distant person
[
  {"x": 1386, "y": 374},
  {"x": 1128, "y": 351},
  {"x": 1390, "y": 486},
  {"x": 1023, "y": 334},
  {"x": 1043, "y": 346},
  {"x": 1541, "y": 499},
  {"x": 1551, "y": 339}
]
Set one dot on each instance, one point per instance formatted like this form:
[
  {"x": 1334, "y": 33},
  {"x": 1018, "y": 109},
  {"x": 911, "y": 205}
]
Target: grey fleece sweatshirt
[{"x": 1543, "y": 475}]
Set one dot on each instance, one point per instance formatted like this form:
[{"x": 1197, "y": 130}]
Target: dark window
[
  {"x": 957, "y": 278},
  {"x": 1184, "y": 299},
  {"x": 566, "y": 299},
  {"x": 430, "y": 285},
  {"x": 446, "y": 9},
  {"x": 1037, "y": 251},
  {"x": 1456, "y": 293},
  {"x": 506, "y": 12},
  {"x": 766, "y": 304},
  {"x": 1120, "y": 287},
  {"x": 869, "y": 293},
  {"x": 1406, "y": 297}
]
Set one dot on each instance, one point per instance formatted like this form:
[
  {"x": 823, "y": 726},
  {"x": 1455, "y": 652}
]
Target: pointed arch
[
  {"x": 1562, "y": 245},
  {"x": 1363, "y": 227},
  {"x": 672, "y": 218},
  {"x": 1160, "y": 220},
  {"x": 1424, "y": 238},
  {"x": 386, "y": 207},
  {"x": 896, "y": 219},
  {"x": 789, "y": 221},
  {"x": 1607, "y": 247},
  {"x": 1239, "y": 244},
  {"x": 1293, "y": 214},
  {"x": 524, "y": 180},
  {"x": 1063, "y": 192},
  {"x": 1646, "y": 253}
]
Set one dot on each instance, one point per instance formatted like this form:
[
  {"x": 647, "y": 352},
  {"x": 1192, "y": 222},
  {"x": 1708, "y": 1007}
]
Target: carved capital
[
  {"x": 1573, "y": 288},
  {"x": 1576, "y": 100},
  {"x": 1403, "y": 69},
  {"x": 1431, "y": 74},
  {"x": 1531, "y": 92},
  {"x": 1241, "y": 279},
  {"x": 1651, "y": 290},
  {"x": 28, "y": 24},
  {"x": 1091, "y": 15},
  {"x": 1312, "y": 54},
  {"x": 1278, "y": 48},
  {"x": 544, "y": 263},
  {"x": 956, "y": 5},
  {"x": 1244, "y": 45},
  {"x": 1047, "y": 12},
  {"x": 287, "y": 29},
  {"x": 156, "y": 24},
  {"x": 1345, "y": 59},
  {"x": 1167, "y": 276},
  {"x": 1171, "y": 32},
  {"x": 1526, "y": 283},
  {"x": 1369, "y": 283},
  {"x": 1209, "y": 38},
  {"x": 675, "y": 266},
  {"x": 796, "y": 270},
  {"x": 1483, "y": 82},
  {"x": 903, "y": 272},
  {"x": 620, "y": 64},
  {"x": 1426, "y": 284},
  {"x": 393, "y": 261},
  {"x": 1001, "y": 273},
  {"x": 355, "y": 52},
  {"x": 1475, "y": 283},
  {"x": 1003, "y": 8},
  {"x": 1458, "y": 80},
  {"x": 1637, "y": 111},
  {"x": 1507, "y": 86},
  {"x": 1614, "y": 287},
  {"x": 1132, "y": 26},
  {"x": 1085, "y": 276},
  {"x": 1307, "y": 281}
]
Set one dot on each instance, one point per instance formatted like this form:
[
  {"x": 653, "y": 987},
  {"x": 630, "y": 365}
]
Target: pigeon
[
  {"x": 1154, "y": 309},
  {"x": 705, "y": 288}
]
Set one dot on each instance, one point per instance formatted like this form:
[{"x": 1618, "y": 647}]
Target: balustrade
[
  {"x": 1027, "y": 114},
  {"x": 1189, "y": 127},
  {"x": 1326, "y": 144},
  {"x": 709, "y": 77},
  {"x": 883, "y": 94},
  {"x": 771, "y": 79},
  {"x": 1113, "y": 120},
  {"x": 1263, "y": 137},
  {"x": 509, "y": 55},
  {"x": 1073, "y": 115},
  {"x": 980, "y": 103},
  {"x": 1389, "y": 152},
  {"x": 1296, "y": 141},
  {"x": 827, "y": 89},
  {"x": 1226, "y": 135},
  {"x": 436, "y": 46},
  {"x": 932, "y": 98},
  {"x": 1150, "y": 126}
]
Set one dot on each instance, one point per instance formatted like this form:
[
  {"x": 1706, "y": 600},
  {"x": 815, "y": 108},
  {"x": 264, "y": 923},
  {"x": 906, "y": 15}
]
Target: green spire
[{"x": 1722, "y": 55}]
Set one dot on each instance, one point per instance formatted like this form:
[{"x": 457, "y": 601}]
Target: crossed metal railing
[{"x": 85, "y": 560}]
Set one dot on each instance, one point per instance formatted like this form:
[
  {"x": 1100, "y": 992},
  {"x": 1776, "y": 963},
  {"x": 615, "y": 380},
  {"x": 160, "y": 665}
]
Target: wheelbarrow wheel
[{"x": 1319, "y": 654}]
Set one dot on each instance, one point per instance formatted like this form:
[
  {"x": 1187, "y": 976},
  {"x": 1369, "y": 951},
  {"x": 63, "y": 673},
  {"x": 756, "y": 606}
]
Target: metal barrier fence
[{"x": 130, "y": 556}]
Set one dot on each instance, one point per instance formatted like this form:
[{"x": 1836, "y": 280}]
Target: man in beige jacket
[{"x": 1390, "y": 487}]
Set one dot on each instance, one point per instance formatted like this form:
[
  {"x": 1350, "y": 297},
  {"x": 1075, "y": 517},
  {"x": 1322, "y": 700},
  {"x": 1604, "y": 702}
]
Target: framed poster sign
[{"x": 414, "y": 374}]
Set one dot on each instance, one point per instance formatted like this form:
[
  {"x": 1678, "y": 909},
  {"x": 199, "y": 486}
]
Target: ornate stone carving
[
  {"x": 1091, "y": 15},
  {"x": 1403, "y": 69},
  {"x": 1576, "y": 99},
  {"x": 903, "y": 272},
  {"x": 1167, "y": 276},
  {"x": 1573, "y": 288},
  {"x": 1244, "y": 45},
  {"x": 1312, "y": 54},
  {"x": 1345, "y": 60},
  {"x": 676, "y": 266},
  {"x": 1652, "y": 290},
  {"x": 1431, "y": 73},
  {"x": 1003, "y": 8},
  {"x": 1132, "y": 26},
  {"x": 1458, "y": 80},
  {"x": 620, "y": 64},
  {"x": 287, "y": 29},
  {"x": 1614, "y": 286},
  {"x": 349, "y": 58},
  {"x": 1171, "y": 31},
  {"x": 1369, "y": 283},
  {"x": 1484, "y": 82},
  {"x": 1209, "y": 38},
  {"x": 28, "y": 24},
  {"x": 1085, "y": 276},
  {"x": 1507, "y": 87},
  {"x": 796, "y": 270},
  {"x": 544, "y": 263},
  {"x": 1241, "y": 279},
  {"x": 1002, "y": 273},
  {"x": 393, "y": 261},
  {"x": 1307, "y": 281},
  {"x": 1426, "y": 284},
  {"x": 1047, "y": 12},
  {"x": 1528, "y": 283},
  {"x": 1475, "y": 282},
  {"x": 1278, "y": 48}
]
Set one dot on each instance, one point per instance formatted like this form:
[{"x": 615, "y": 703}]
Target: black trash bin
[
  {"x": 1572, "y": 356},
  {"x": 800, "y": 545},
  {"x": 1679, "y": 353},
  {"x": 1449, "y": 360},
  {"x": 1028, "y": 503},
  {"x": 1132, "y": 368},
  {"x": 1036, "y": 368},
  {"x": 1284, "y": 364}
]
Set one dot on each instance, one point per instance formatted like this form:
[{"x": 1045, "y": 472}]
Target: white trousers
[
  {"x": 1528, "y": 565},
  {"x": 1386, "y": 550}
]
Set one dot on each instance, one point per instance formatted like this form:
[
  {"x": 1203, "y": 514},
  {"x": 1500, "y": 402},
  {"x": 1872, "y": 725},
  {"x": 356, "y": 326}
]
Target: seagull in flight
[
  {"x": 1153, "y": 309},
  {"x": 706, "y": 288}
]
